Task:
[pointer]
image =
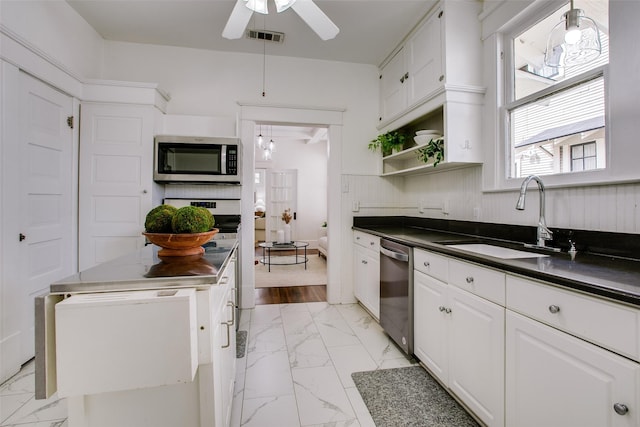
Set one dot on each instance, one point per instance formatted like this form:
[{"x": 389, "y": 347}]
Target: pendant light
[
  {"x": 574, "y": 40},
  {"x": 272, "y": 145},
  {"x": 260, "y": 140}
]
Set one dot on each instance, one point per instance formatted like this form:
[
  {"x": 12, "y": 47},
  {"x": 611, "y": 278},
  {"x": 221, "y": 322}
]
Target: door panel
[
  {"x": 46, "y": 202},
  {"x": 116, "y": 155},
  {"x": 282, "y": 193}
]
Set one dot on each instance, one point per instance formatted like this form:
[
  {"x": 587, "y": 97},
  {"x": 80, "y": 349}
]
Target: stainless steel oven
[
  {"x": 197, "y": 160},
  {"x": 396, "y": 293}
]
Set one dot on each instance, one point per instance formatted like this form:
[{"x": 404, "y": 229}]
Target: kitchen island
[{"x": 142, "y": 340}]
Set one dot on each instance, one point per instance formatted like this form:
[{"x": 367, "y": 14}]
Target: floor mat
[
  {"x": 241, "y": 344},
  {"x": 409, "y": 397}
]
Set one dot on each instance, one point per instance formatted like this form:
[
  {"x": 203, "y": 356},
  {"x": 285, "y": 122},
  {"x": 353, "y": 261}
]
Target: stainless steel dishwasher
[{"x": 396, "y": 293}]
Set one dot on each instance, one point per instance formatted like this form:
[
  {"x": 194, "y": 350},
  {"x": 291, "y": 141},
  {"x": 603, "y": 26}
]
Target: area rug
[
  {"x": 409, "y": 397},
  {"x": 291, "y": 275},
  {"x": 241, "y": 344}
]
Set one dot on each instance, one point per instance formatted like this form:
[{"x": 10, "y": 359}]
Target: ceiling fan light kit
[{"x": 306, "y": 9}]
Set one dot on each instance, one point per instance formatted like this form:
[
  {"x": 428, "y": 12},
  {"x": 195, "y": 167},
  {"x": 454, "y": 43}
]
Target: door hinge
[{"x": 70, "y": 121}]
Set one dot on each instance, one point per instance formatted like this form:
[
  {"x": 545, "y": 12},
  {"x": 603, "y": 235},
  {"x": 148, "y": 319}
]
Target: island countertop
[{"x": 143, "y": 269}]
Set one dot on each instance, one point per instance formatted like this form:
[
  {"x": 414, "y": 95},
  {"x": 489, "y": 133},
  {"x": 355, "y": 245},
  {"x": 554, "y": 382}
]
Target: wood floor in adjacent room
[{"x": 291, "y": 294}]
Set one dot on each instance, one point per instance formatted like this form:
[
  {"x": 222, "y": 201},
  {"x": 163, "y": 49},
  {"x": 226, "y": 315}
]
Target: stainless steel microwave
[{"x": 182, "y": 159}]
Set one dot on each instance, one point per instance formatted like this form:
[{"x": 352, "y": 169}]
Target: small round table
[{"x": 267, "y": 247}]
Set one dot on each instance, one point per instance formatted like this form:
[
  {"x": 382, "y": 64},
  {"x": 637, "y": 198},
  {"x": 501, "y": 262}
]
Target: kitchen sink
[{"x": 496, "y": 251}]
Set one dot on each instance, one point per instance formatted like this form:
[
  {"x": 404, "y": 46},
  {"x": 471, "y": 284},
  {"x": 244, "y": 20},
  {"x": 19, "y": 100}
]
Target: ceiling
[{"x": 369, "y": 29}]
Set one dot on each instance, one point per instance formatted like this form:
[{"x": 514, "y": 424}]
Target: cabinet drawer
[
  {"x": 607, "y": 324},
  {"x": 431, "y": 264},
  {"x": 481, "y": 281},
  {"x": 366, "y": 240}
]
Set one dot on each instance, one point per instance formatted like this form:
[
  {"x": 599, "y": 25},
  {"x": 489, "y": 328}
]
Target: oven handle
[{"x": 400, "y": 256}]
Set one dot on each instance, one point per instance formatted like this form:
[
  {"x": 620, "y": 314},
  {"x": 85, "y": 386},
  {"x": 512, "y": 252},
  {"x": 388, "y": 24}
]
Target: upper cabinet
[
  {"x": 433, "y": 81},
  {"x": 414, "y": 72}
]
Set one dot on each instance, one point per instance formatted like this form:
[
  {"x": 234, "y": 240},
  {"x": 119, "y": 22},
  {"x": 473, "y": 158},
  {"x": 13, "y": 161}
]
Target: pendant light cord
[{"x": 264, "y": 57}]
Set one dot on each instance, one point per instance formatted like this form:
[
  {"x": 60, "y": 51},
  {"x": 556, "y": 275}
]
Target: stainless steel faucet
[{"x": 543, "y": 232}]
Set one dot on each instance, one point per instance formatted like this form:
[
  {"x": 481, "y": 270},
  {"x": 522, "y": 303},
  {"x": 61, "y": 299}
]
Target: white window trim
[{"x": 502, "y": 157}]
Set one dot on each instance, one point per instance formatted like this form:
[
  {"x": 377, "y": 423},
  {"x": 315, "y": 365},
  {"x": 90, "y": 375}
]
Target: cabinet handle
[
  {"x": 554, "y": 309},
  {"x": 228, "y": 336},
  {"x": 364, "y": 261},
  {"x": 406, "y": 75},
  {"x": 620, "y": 408},
  {"x": 447, "y": 310},
  {"x": 426, "y": 264},
  {"x": 357, "y": 237},
  {"x": 441, "y": 308},
  {"x": 402, "y": 79},
  {"x": 441, "y": 78},
  {"x": 233, "y": 312},
  {"x": 469, "y": 279},
  {"x": 372, "y": 243}
]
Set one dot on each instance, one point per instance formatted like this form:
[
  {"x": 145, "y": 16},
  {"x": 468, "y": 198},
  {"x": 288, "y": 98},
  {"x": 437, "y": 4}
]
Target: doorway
[{"x": 290, "y": 184}]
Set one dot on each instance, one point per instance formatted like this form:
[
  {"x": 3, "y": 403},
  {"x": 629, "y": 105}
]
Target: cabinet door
[
  {"x": 476, "y": 354},
  {"x": 556, "y": 380},
  {"x": 393, "y": 94},
  {"x": 116, "y": 178},
  {"x": 373, "y": 283},
  {"x": 424, "y": 60},
  {"x": 367, "y": 279},
  {"x": 430, "y": 324},
  {"x": 228, "y": 354}
]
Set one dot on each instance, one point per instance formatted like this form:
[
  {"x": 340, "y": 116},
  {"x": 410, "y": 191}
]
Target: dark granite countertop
[
  {"x": 143, "y": 269},
  {"x": 613, "y": 277}
]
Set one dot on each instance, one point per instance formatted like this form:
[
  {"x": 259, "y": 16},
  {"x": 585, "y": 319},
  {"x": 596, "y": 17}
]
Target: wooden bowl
[{"x": 180, "y": 244}]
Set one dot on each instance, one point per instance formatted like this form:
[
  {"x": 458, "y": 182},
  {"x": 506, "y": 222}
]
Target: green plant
[
  {"x": 386, "y": 142},
  {"x": 192, "y": 219},
  {"x": 158, "y": 219},
  {"x": 434, "y": 149}
]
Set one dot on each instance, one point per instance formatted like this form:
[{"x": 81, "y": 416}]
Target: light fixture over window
[
  {"x": 574, "y": 40},
  {"x": 260, "y": 6}
]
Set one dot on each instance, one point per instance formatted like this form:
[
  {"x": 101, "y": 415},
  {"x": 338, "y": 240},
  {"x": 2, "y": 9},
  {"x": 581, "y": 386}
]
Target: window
[
  {"x": 584, "y": 157},
  {"x": 551, "y": 111}
]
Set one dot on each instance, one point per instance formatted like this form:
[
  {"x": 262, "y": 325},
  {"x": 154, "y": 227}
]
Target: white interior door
[
  {"x": 282, "y": 193},
  {"x": 39, "y": 246},
  {"x": 116, "y": 157}
]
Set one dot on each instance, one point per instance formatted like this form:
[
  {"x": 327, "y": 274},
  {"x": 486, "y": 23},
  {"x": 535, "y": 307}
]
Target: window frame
[{"x": 505, "y": 50}]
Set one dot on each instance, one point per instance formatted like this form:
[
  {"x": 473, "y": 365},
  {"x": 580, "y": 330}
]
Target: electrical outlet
[
  {"x": 445, "y": 207},
  {"x": 476, "y": 213},
  {"x": 345, "y": 185},
  {"x": 356, "y": 206},
  {"x": 420, "y": 206}
]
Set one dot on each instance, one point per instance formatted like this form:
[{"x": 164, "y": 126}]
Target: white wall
[
  {"x": 57, "y": 31},
  {"x": 212, "y": 83}
]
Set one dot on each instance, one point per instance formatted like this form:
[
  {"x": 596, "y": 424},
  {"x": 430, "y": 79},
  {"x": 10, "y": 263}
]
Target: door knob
[
  {"x": 620, "y": 408},
  {"x": 554, "y": 309}
]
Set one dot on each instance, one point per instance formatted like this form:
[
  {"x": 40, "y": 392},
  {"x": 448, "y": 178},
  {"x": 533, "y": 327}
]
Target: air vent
[{"x": 270, "y": 36}]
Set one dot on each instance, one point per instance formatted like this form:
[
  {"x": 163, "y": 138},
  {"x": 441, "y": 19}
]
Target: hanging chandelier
[{"x": 574, "y": 40}]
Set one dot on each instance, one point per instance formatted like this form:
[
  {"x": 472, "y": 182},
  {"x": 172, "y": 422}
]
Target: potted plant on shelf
[
  {"x": 433, "y": 149},
  {"x": 179, "y": 232},
  {"x": 388, "y": 142}
]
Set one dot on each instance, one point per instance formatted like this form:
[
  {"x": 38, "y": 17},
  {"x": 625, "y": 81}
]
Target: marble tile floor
[{"x": 296, "y": 371}]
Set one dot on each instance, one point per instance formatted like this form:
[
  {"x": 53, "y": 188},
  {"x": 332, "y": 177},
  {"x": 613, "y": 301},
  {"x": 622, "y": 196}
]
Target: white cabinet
[
  {"x": 433, "y": 81},
  {"x": 554, "y": 379},
  {"x": 366, "y": 271},
  {"x": 570, "y": 345},
  {"x": 414, "y": 72},
  {"x": 459, "y": 336},
  {"x": 116, "y": 188}
]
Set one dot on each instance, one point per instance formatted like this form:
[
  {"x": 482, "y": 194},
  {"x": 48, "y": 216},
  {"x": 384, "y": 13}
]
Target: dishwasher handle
[{"x": 400, "y": 256}]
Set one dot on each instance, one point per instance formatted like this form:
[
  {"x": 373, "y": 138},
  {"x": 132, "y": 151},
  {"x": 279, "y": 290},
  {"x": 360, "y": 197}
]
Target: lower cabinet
[
  {"x": 554, "y": 379},
  {"x": 366, "y": 271},
  {"x": 460, "y": 338}
]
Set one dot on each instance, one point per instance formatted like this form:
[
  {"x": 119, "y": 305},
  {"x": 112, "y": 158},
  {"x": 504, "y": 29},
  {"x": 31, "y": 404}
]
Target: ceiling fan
[{"x": 306, "y": 9}]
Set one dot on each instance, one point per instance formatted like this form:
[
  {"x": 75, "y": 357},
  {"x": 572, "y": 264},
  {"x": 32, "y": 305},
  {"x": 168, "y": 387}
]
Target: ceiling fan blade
[
  {"x": 238, "y": 21},
  {"x": 316, "y": 19}
]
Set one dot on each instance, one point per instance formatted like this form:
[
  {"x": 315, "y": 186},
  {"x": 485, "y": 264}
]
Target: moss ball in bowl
[
  {"x": 159, "y": 219},
  {"x": 192, "y": 219}
]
